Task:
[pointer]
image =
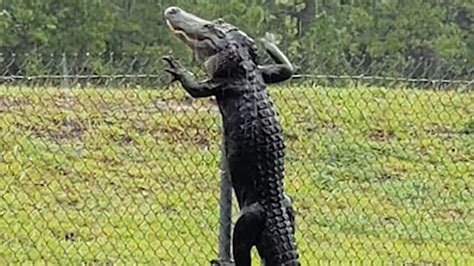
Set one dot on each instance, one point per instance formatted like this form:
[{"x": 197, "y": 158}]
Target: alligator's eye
[
  {"x": 219, "y": 33},
  {"x": 219, "y": 21},
  {"x": 208, "y": 26}
]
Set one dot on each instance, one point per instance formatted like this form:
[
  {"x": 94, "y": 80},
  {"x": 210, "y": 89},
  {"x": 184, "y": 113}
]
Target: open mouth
[
  {"x": 173, "y": 28},
  {"x": 179, "y": 31},
  {"x": 197, "y": 41}
]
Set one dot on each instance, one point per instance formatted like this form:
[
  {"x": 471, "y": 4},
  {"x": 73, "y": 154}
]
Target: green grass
[{"x": 131, "y": 175}]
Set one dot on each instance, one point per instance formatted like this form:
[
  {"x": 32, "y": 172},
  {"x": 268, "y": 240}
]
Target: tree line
[{"x": 410, "y": 38}]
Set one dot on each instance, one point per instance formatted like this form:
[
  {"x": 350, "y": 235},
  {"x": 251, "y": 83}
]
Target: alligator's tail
[
  {"x": 269, "y": 226},
  {"x": 277, "y": 244}
]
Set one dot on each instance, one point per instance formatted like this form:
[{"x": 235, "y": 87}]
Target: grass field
[{"x": 131, "y": 175}]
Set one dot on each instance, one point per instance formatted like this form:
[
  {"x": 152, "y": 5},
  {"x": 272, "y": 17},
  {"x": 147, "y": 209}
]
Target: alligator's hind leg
[{"x": 246, "y": 232}]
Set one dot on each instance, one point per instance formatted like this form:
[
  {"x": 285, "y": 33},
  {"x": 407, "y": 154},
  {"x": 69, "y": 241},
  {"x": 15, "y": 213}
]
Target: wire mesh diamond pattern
[{"x": 122, "y": 167}]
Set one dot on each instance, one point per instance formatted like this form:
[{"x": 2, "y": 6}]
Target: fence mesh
[{"x": 118, "y": 166}]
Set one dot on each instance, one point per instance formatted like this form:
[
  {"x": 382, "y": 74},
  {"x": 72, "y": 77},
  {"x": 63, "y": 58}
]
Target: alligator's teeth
[
  {"x": 170, "y": 26},
  {"x": 176, "y": 30}
]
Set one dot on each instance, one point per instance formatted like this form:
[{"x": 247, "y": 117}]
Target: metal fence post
[
  {"x": 225, "y": 202},
  {"x": 65, "y": 81}
]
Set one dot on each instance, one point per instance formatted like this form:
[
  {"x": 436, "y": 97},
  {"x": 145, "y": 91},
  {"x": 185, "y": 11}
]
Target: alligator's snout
[
  {"x": 173, "y": 16},
  {"x": 205, "y": 37},
  {"x": 184, "y": 23},
  {"x": 199, "y": 34}
]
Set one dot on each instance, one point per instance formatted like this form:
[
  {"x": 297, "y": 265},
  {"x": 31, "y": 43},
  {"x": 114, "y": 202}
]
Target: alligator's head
[{"x": 221, "y": 45}]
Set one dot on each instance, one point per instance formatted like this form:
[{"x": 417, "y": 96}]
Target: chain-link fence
[{"x": 118, "y": 167}]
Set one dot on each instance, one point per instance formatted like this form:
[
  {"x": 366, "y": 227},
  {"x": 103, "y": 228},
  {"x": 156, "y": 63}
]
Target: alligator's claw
[
  {"x": 174, "y": 63},
  {"x": 268, "y": 40},
  {"x": 169, "y": 59},
  {"x": 175, "y": 68},
  {"x": 173, "y": 74}
]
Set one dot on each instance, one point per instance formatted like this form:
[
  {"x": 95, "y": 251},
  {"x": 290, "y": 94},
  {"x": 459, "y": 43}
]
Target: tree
[{"x": 321, "y": 36}]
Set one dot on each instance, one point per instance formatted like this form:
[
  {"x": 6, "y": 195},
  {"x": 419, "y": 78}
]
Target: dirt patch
[
  {"x": 7, "y": 102},
  {"x": 195, "y": 136},
  {"x": 440, "y": 130},
  {"x": 330, "y": 126},
  {"x": 65, "y": 101},
  {"x": 200, "y": 140},
  {"x": 186, "y": 104},
  {"x": 388, "y": 220},
  {"x": 291, "y": 136},
  {"x": 422, "y": 263},
  {"x": 389, "y": 177},
  {"x": 443, "y": 131},
  {"x": 311, "y": 127},
  {"x": 67, "y": 129},
  {"x": 127, "y": 139},
  {"x": 169, "y": 131},
  {"x": 450, "y": 214},
  {"x": 58, "y": 131},
  {"x": 174, "y": 105},
  {"x": 381, "y": 135},
  {"x": 191, "y": 134}
]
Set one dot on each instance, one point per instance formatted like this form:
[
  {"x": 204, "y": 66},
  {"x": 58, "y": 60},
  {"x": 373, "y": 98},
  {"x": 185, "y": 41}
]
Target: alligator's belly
[
  {"x": 255, "y": 158},
  {"x": 254, "y": 143}
]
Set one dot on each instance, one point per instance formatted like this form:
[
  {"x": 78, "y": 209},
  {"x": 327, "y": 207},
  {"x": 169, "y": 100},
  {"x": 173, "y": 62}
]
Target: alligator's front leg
[
  {"x": 195, "y": 88},
  {"x": 281, "y": 71}
]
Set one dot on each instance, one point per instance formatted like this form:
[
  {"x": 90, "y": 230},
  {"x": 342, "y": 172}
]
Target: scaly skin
[{"x": 253, "y": 138}]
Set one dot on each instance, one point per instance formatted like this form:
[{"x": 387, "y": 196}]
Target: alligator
[{"x": 252, "y": 135}]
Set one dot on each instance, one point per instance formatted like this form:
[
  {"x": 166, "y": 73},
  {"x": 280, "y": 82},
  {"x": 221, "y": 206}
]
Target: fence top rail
[
  {"x": 296, "y": 77},
  {"x": 98, "y": 65}
]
